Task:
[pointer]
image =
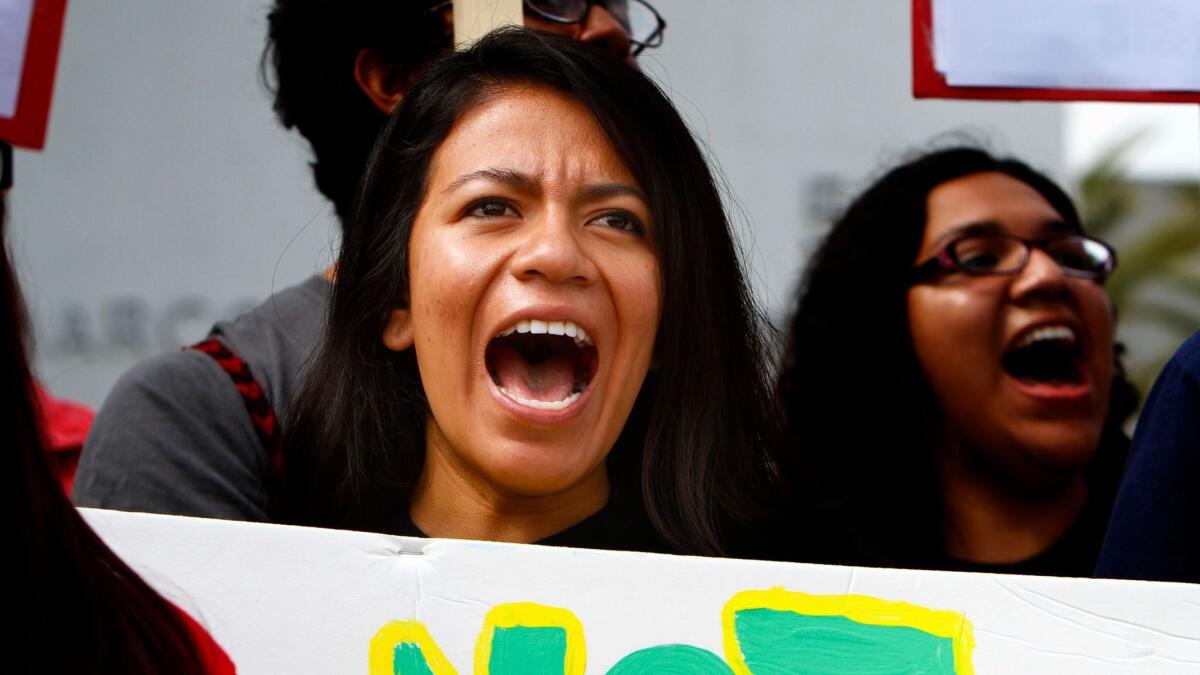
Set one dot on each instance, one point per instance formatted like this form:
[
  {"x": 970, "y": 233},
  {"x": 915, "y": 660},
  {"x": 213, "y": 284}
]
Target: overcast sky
[{"x": 1169, "y": 149}]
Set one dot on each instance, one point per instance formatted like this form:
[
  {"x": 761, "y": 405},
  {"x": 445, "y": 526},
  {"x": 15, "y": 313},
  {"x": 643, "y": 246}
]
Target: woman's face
[
  {"x": 534, "y": 296},
  {"x": 1021, "y": 365}
]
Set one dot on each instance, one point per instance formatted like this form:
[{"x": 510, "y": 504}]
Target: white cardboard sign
[
  {"x": 296, "y": 600},
  {"x": 1069, "y": 44}
]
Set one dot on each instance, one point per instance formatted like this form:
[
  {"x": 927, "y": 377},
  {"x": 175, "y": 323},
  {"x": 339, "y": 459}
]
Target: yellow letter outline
[
  {"x": 383, "y": 646},
  {"x": 531, "y": 615},
  {"x": 859, "y": 608}
]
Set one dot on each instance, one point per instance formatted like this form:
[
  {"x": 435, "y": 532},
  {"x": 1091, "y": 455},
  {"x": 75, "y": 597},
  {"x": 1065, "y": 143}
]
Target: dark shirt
[
  {"x": 619, "y": 526},
  {"x": 1073, "y": 555},
  {"x": 1155, "y": 528},
  {"x": 174, "y": 436}
]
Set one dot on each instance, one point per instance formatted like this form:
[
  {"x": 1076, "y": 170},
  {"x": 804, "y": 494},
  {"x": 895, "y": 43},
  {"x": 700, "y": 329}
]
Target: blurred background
[{"x": 168, "y": 197}]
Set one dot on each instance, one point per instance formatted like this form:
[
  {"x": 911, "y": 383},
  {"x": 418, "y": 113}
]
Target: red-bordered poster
[
  {"x": 929, "y": 83},
  {"x": 27, "y": 125}
]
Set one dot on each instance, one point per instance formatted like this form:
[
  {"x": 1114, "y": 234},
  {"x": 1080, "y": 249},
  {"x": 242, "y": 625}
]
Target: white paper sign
[
  {"x": 15, "y": 16},
  {"x": 1072, "y": 44},
  {"x": 298, "y": 601}
]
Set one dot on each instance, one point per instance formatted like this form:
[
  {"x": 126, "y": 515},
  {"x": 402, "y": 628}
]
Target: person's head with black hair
[
  {"x": 540, "y": 304},
  {"x": 953, "y": 349},
  {"x": 64, "y": 572},
  {"x": 338, "y": 67}
]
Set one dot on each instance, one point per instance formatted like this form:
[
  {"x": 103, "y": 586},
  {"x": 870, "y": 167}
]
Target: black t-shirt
[
  {"x": 1077, "y": 550},
  {"x": 1073, "y": 555},
  {"x": 619, "y": 526},
  {"x": 829, "y": 536}
]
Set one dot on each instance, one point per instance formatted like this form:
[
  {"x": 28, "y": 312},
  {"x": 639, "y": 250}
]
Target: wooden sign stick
[{"x": 475, "y": 18}]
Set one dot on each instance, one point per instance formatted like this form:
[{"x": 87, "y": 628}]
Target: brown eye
[
  {"x": 491, "y": 208},
  {"x": 621, "y": 220}
]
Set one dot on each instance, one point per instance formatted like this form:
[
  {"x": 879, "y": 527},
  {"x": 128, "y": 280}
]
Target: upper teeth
[
  {"x": 1047, "y": 333},
  {"x": 537, "y": 327}
]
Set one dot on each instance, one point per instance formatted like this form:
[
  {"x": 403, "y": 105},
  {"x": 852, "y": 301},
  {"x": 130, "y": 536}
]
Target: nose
[
  {"x": 551, "y": 251},
  {"x": 600, "y": 28},
  {"x": 1042, "y": 278}
]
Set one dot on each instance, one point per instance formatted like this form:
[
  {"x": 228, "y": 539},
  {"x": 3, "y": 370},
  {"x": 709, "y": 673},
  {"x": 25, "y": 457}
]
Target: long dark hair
[
  {"x": 78, "y": 608},
  {"x": 862, "y": 420},
  {"x": 694, "y": 446}
]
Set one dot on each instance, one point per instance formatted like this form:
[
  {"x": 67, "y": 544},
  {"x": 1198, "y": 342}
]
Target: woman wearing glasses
[{"x": 952, "y": 385}]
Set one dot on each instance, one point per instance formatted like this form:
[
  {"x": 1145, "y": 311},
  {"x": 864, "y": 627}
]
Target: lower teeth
[{"x": 542, "y": 405}]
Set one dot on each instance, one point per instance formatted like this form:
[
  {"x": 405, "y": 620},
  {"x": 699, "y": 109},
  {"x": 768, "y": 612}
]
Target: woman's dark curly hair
[{"x": 862, "y": 420}]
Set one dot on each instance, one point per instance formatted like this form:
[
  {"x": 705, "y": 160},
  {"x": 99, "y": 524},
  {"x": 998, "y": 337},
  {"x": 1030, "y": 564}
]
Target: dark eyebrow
[
  {"x": 1055, "y": 226},
  {"x": 1060, "y": 225},
  {"x": 602, "y": 190},
  {"x": 521, "y": 181},
  {"x": 508, "y": 177},
  {"x": 981, "y": 227}
]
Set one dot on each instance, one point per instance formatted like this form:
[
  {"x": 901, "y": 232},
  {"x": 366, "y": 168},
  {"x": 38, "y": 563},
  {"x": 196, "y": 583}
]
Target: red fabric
[
  {"x": 215, "y": 660},
  {"x": 262, "y": 415},
  {"x": 64, "y": 426}
]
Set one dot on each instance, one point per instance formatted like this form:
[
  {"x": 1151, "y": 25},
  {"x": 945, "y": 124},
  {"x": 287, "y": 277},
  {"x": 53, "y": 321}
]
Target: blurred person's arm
[
  {"x": 174, "y": 437},
  {"x": 1152, "y": 534}
]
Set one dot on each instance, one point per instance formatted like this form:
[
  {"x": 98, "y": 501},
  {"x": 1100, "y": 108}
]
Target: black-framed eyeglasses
[
  {"x": 983, "y": 254},
  {"x": 640, "y": 20}
]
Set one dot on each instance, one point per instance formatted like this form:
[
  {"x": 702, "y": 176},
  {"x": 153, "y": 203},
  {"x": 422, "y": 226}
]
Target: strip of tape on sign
[{"x": 475, "y": 18}]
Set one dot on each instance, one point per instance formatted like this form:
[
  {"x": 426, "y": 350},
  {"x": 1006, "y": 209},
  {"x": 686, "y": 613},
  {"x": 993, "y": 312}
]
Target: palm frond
[
  {"x": 1149, "y": 257},
  {"x": 1163, "y": 253},
  {"x": 1105, "y": 195}
]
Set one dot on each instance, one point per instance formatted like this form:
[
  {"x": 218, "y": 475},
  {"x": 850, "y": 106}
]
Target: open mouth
[
  {"x": 542, "y": 364},
  {"x": 1050, "y": 355}
]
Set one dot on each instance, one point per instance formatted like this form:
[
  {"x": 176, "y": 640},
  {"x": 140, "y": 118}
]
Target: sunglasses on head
[{"x": 643, "y": 24}]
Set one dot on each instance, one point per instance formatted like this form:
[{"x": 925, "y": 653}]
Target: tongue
[{"x": 550, "y": 380}]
